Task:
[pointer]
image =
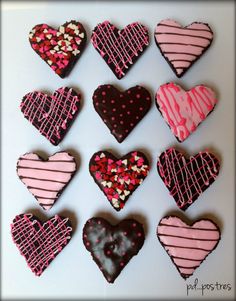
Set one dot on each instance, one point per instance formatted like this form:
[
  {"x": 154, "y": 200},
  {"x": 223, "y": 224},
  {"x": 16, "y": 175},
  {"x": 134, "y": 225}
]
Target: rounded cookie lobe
[
  {"x": 118, "y": 178},
  {"x": 46, "y": 179},
  {"x": 182, "y": 46},
  {"x": 187, "y": 245},
  {"x": 121, "y": 111},
  {"x": 112, "y": 246},
  {"x": 120, "y": 48}
]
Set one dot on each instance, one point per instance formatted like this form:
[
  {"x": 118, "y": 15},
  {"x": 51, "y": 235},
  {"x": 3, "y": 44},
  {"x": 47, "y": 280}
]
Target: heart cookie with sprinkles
[
  {"x": 118, "y": 178},
  {"x": 187, "y": 179},
  {"x": 187, "y": 246},
  {"x": 38, "y": 242},
  {"x": 121, "y": 111},
  {"x": 59, "y": 48},
  {"x": 112, "y": 247},
  {"x": 51, "y": 115},
  {"x": 182, "y": 46},
  {"x": 120, "y": 48},
  {"x": 46, "y": 179},
  {"x": 184, "y": 110}
]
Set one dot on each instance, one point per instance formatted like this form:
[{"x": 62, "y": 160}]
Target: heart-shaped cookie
[
  {"x": 118, "y": 178},
  {"x": 187, "y": 246},
  {"x": 184, "y": 110},
  {"x": 46, "y": 179},
  {"x": 187, "y": 179},
  {"x": 182, "y": 46},
  {"x": 59, "y": 48},
  {"x": 40, "y": 243},
  {"x": 120, "y": 48},
  {"x": 121, "y": 111},
  {"x": 112, "y": 247},
  {"x": 51, "y": 115}
]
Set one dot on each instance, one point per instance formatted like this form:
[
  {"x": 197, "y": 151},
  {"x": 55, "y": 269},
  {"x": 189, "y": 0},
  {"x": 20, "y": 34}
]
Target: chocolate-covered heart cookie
[
  {"x": 118, "y": 178},
  {"x": 46, "y": 179},
  {"x": 120, "y": 48},
  {"x": 59, "y": 48},
  {"x": 121, "y": 111},
  {"x": 187, "y": 179},
  {"x": 187, "y": 245},
  {"x": 112, "y": 247},
  {"x": 51, "y": 115},
  {"x": 182, "y": 46},
  {"x": 38, "y": 242}
]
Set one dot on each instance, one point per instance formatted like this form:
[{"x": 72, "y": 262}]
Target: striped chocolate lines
[
  {"x": 186, "y": 245},
  {"x": 182, "y": 46},
  {"x": 46, "y": 179}
]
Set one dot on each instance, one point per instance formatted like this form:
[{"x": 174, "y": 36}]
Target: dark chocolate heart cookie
[
  {"x": 59, "y": 48},
  {"x": 51, "y": 115},
  {"x": 121, "y": 111},
  {"x": 187, "y": 179},
  {"x": 40, "y": 243},
  {"x": 112, "y": 247},
  {"x": 120, "y": 48},
  {"x": 118, "y": 178}
]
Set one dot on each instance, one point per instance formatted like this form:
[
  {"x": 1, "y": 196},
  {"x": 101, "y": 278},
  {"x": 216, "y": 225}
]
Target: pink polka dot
[
  {"x": 99, "y": 222},
  {"x": 108, "y": 86},
  {"x": 138, "y": 95},
  {"x": 147, "y": 98},
  {"x": 114, "y": 109},
  {"x": 115, "y": 125},
  {"x": 123, "y": 106},
  {"x": 121, "y": 95},
  {"x": 104, "y": 120},
  {"x": 121, "y": 115},
  {"x": 126, "y": 131},
  {"x": 95, "y": 96},
  {"x": 113, "y": 118},
  {"x": 108, "y": 252},
  {"x": 97, "y": 241},
  {"x": 103, "y": 93},
  {"x": 133, "y": 243},
  {"x": 137, "y": 117},
  {"x": 104, "y": 111},
  {"x": 129, "y": 92},
  {"x": 120, "y": 136},
  {"x": 97, "y": 104},
  {"x": 141, "y": 108},
  {"x": 125, "y": 233},
  {"x": 134, "y": 224},
  {"x": 139, "y": 234},
  {"x": 139, "y": 87},
  {"x": 128, "y": 113},
  {"x": 112, "y": 101},
  {"x": 122, "y": 264},
  {"x": 103, "y": 101},
  {"x": 121, "y": 122},
  {"x": 131, "y": 101},
  {"x": 87, "y": 243},
  {"x": 131, "y": 124}
]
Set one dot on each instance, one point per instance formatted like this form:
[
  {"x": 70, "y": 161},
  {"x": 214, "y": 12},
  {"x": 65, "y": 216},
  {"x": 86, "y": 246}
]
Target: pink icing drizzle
[
  {"x": 40, "y": 246},
  {"x": 184, "y": 110}
]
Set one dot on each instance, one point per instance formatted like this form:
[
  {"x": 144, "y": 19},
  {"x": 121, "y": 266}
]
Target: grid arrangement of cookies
[{"x": 113, "y": 246}]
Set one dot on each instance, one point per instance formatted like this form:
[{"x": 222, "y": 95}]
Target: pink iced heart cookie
[
  {"x": 184, "y": 110},
  {"x": 40, "y": 243},
  {"x": 120, "y": 48},
  {"x": 59, "y": 48},
  {"x": 46, "y": 179},
  {"x": 187, "y": 246},
  {"x": 51, "y": 115},
  {"x": 182, "y": 46}
]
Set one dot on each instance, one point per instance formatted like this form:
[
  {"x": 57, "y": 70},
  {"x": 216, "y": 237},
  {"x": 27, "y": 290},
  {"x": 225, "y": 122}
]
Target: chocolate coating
[{"x": 112, "y": 247}]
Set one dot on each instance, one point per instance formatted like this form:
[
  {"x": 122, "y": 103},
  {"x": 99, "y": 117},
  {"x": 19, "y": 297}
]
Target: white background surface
[{"x": 151, "y": 274}]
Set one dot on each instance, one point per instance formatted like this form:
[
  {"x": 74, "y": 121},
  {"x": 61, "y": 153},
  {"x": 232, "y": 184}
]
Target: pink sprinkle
[
  {"x": 138, "y": 95},
  {"x": 115, "y": 125},
  {"x": 103, "y": 101},
  {"x": 139, "y": 234},
  {"x": 121, "y": 122},
  {"x": 128, "y": 112},
  {"x": 103, "y": 93},
  {"x": 112, "y": 118},
  {"x": 141, "y": 108},
  {"x": 87, "y": 243},
  {"x": 129, "y": 92},
  {"x": 97, "y": 104},
  {"x": 112, "y": 101},
  {"x": 105, "y": 120},
  {"x": 131, "y": 124},
  {"x": 134, "y": 224},
  {"x": 104, "y": 111},
  {"x": 137, "y": 117},
  {"x": 131, "y": 101},
  {"x": 123, "y": 106},
  {"x": 122, "y": 264},
  {"x": 121, "y": 115},
  {"x": 114, "y": 109}
]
